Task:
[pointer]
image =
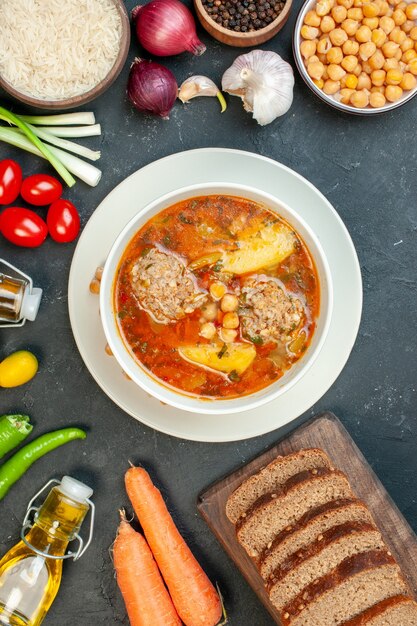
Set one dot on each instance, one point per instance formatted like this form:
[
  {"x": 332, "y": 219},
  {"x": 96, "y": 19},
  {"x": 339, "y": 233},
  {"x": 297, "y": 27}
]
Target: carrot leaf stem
[{"x": 224, "y": 613}]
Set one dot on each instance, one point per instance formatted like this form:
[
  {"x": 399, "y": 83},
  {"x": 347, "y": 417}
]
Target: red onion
[
  {"x": 166, "y": 27},
  {"x": 152, "y": 87}
]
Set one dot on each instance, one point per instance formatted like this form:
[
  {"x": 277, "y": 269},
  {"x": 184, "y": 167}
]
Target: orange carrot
[
  {"x": 146, "y": 597},
  {"x": 193, "y": 595}
]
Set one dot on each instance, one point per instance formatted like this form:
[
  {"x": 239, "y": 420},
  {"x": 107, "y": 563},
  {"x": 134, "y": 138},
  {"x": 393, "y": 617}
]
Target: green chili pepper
[
  {"x": 14, "y": 468},
  {"x": 13, "y": 430}
]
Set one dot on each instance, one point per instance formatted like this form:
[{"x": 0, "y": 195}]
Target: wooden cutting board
[{"x": 325, "y": 432}]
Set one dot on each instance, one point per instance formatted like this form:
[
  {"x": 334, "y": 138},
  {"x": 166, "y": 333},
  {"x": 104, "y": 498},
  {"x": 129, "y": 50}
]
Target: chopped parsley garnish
[
  {"x": 222, "y": 351},
  {"x": 234, "y": 376},
  {"x": 256, "y": 339},
  {"x": 184, "y": 219}
]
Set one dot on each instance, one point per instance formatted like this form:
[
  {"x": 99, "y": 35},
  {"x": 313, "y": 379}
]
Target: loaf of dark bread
[{"x": 323, "y": 560}]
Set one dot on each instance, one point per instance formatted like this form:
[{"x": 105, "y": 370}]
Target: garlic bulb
[
  {"x": 200, "y": 86},
  {"x": 264, "y": 81}
]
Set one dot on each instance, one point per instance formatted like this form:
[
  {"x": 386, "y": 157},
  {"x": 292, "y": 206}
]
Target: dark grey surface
[{"x": 368, "y": 169}]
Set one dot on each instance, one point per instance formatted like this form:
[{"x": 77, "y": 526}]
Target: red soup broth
[{"x": 196, "y": 228}]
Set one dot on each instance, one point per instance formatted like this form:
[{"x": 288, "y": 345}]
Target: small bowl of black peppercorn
[{"x": 243, "y": 23}]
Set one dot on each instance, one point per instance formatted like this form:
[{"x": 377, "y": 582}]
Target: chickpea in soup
[{"x": 217, "y": 296}]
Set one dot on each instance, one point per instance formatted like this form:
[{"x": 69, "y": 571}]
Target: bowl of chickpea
[{"x": 359, "y": 56}]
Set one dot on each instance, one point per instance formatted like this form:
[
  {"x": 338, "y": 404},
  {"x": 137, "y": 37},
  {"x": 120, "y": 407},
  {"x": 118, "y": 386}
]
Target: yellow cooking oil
[{"x": 29, "y": 576}]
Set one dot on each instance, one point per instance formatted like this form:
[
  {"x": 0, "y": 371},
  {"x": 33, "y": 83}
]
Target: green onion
[
  {"x": 85, "y": 171},
  {"x": 46, "y": 152},
  {"x": 63, "y": 119},
  {"x": 70, "y": 146},
  {"x": 72, "y": 131}
]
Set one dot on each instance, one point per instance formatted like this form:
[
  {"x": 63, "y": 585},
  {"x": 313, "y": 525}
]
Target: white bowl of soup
[{"x": 216, "y": 298}]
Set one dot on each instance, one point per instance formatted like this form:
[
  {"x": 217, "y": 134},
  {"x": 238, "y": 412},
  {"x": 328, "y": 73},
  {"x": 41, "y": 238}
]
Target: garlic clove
[
  {"x": 197, "y": 86},
  {"x": 200, "y": 86},
  {"x": 264, "y": 81}
]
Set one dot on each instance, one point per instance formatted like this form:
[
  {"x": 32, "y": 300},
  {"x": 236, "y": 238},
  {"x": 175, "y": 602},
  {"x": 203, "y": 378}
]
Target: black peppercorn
[{"x": 243, "y": 15}]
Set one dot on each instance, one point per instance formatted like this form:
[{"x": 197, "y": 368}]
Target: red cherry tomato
[
  {"x": 23, "y": 227},
  {"x": 41, "y": 189},
  {"x": 10, "y": 181},
  {"x": 63, "y": 221}
]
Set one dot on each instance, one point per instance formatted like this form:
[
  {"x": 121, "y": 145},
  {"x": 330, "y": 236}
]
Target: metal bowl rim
[{"x": 318, "y": 92}]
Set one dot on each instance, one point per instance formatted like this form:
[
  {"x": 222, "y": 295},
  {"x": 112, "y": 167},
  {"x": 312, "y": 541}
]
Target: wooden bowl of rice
[{"x": 61, "y": 55}]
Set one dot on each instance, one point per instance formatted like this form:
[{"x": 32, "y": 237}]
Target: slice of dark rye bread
[
  {"x": 397, "y": 611},
  {"x": 273, "y": 512},
  {"x": 319, "y": 558},
  {"x": 272, "y": 477},
  {"x": 349, "y": 589},
  {"x": 308, "y": 528}
]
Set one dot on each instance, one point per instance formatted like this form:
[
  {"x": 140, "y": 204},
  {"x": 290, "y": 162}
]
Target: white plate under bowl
[
  {"x": 204, "y": 166},
  {"x": 153, "y": 385}
]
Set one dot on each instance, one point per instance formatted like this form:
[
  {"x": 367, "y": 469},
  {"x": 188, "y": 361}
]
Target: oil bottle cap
[
  {"x": 75, "y": 489},
  {"x": 30, "y": 304}
]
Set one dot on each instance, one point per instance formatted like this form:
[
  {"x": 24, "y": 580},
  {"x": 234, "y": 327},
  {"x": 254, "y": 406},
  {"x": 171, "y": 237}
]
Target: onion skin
[
  {"x": 166, "y": 27},
  {"x": 152, "y": 88}
]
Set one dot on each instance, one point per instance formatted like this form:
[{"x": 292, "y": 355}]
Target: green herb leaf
[
  {"x": 256, "y": 339},
  {"x": 234, "y": 376},
  {"x": 184, "y": 219},
  {"x": 222, "y": 351}
]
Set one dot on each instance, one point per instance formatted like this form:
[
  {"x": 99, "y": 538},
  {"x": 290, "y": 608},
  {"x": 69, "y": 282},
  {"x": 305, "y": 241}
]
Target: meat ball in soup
[
  {"x": 268, "y": 311},
  {"x": 217, "y": 296},
  {"x": 164, "y": 287}
]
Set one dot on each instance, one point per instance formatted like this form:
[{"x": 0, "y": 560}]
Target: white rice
[{"x": 56, "y": 49}]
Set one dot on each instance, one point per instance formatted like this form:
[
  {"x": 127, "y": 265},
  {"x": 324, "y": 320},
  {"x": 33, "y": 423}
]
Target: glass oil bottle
[
  {"x": 30, "y": 573},
  {"x": 19, "y": 300}
]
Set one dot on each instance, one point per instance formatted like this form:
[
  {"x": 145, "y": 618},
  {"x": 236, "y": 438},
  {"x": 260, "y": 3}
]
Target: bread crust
[
  {"x": 347, "y": 569},
  {"x": 257, "y": 478},
  {"x": 297, "y": 487},
  {"x": 379, "y": 609},
  {"x": 293, "y": 482},
  {"x": 326, "y": 539},
  {"x": 315, "y": 517}
]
